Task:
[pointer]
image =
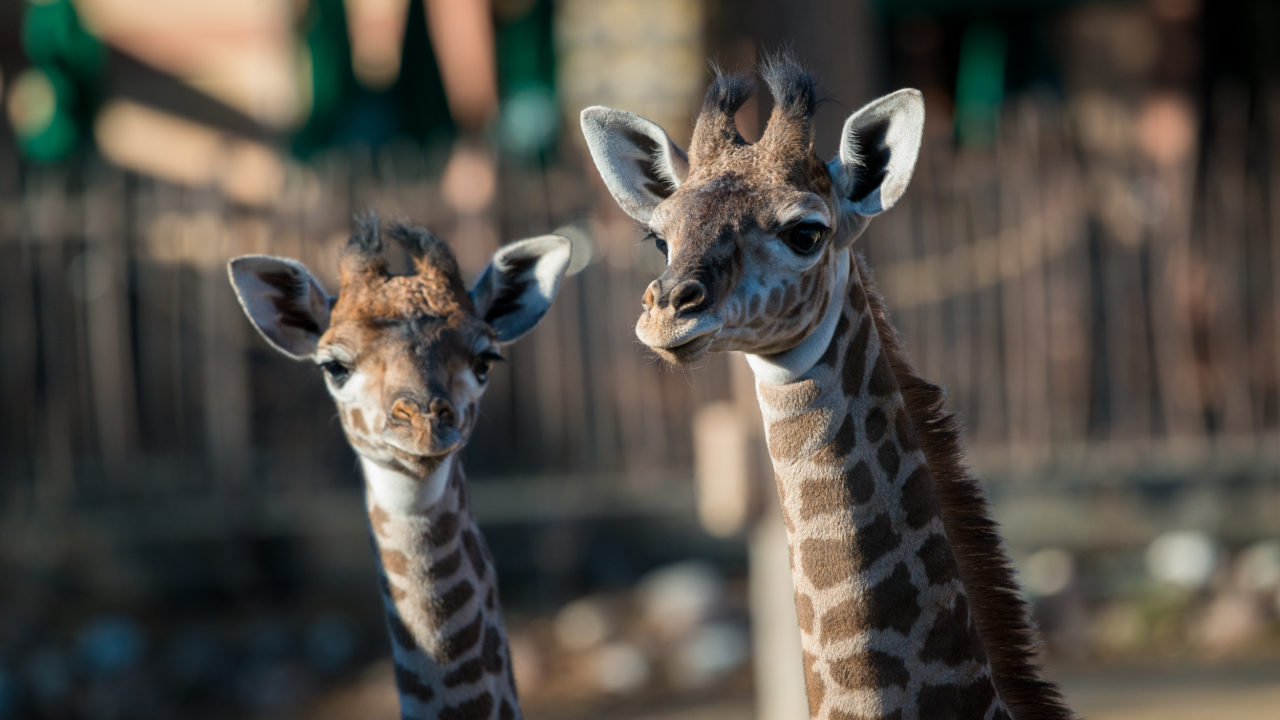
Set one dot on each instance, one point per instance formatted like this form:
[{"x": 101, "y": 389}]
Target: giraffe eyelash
[{"x": 658, "y": 242}]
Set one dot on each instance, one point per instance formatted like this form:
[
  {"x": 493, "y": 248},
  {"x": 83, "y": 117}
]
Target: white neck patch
[
  {"x": 398, "y": 493},
  {"x": 788, "y": 365}
]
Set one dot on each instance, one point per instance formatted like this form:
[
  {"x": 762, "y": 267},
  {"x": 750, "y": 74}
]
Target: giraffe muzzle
[{"x": 422, "y": 427}]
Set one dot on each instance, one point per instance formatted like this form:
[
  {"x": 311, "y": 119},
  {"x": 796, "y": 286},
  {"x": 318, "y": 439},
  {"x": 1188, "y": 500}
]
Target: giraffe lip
[
  {"x": 687, "y": 351},
  {"x": 432, "y": 451},
  {"x": 677, "y": 335}
]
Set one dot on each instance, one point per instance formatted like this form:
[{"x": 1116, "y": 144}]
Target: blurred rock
[
  {"x": 583, "y": 623},
  {"x": 193, "y": 657},
  {"x": 1185, "y": 558},
  {"x": 712, "y": 652},
  {"x": 329, "y": 643},
  {"x": 526, "y": 660},
  {"x": 677, "y": 598},
  {"x": 8, "y": 695},
  {"x": 621, "y": 668},
  {"x": 110, "y": 645},
  {"x": 47, "y": 675},
  {"x": 1048, "y": 571},
  {"x": 1258, "y": 567},
  {"x": 1232, "y": 621}
]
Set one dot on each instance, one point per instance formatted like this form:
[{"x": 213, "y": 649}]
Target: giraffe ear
[
  {"x": 516, "y": 289},
  {"x": 639, "y": 163},
  {"x": 283, "y": 301},
  {"x": 878, "y": 151}
]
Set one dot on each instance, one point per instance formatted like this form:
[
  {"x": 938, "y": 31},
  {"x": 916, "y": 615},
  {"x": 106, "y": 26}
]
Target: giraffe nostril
[
  {"x": 650, "y": 295},
  {"x": 403, "y": 410},
  {"x": 688, "y": 296},
  {"x": 442, "y": 410}
]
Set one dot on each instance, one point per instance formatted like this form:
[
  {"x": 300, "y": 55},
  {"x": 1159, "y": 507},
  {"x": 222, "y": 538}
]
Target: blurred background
[{"x": 1086, "y": 259}]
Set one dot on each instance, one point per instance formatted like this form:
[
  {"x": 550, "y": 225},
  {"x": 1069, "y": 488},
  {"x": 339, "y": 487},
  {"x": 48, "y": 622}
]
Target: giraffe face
[
  {"x": 405, "y": 357},
  {"x": 405, "y": 376},
  {"x": 749, "y": 260},
  {"x": 754, "y": 233}
]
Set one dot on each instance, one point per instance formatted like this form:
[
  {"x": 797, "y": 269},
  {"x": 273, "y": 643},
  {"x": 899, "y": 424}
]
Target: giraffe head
[
  {"x": 753, "y": 233},
  {"x": 405, "y": 357}
]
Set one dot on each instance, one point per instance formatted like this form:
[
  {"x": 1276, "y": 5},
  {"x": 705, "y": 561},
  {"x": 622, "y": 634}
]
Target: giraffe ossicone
[
  {"x": 907, "y": 605},
  {"x": 406, "y": 358}
]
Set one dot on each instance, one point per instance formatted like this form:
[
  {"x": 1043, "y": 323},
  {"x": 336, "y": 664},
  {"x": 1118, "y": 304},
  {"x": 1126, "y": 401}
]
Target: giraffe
[
  {"x": 406, "y": 359},
  {"x": 907, "y": 604}
]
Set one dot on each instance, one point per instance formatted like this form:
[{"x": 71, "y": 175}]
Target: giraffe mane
[{"x": 984, "y": 566}]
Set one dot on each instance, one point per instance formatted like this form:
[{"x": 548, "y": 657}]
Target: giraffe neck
[
  {"x": 884, "y": 617},
  {"x": 440, "y": 593}
]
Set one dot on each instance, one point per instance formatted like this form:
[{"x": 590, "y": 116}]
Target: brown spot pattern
[
  {"x": 826, "y": 562},
  {"x": 491, "y": 650},
  {"x": 457, "y": 644},
  {"x": 357, "y": 421},
  {"x": 446, "y": 566},
  {"x": 410, "y": 684},
  {"x": 917, "y": 498},
  {"x": 948, "y": 641},
  {"x": 935, "y": 555},
  {"x": 804, "y": 611},
  {"x": 454, "y": 599},
  {"x": 477, "y": 708},
  {"x": 842, "y": 715},
  {"x": 889, "y": 460},
  {"x": 890, "y": 604},
  {"x": 788, "y": 436},
  {"x": 833, "y": 453},
  {"x": 876, "y": 424},
  {"x": 468, "y": 672},
  {"x": 394, "y": 562},
  {"x": 881, "y": 382},
  {"x": 443, "y": 530},
  {"x": 953, "y": 702},
  {"x": 855, "y": 363},
  {"x": 474, "y": 552},
  {"x": 870, "y": 670},
  {"x": 813, "y": 685}
]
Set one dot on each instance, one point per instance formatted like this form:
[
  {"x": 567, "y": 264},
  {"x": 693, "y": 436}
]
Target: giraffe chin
[
  {"x": 687, "y": 352},
  {"x": 419, "y": 464}
]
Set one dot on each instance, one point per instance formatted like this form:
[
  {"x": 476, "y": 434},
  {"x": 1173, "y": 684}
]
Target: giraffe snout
[
  {"x": 422, "y": 413},
  {"x": 676, "y": 298}
]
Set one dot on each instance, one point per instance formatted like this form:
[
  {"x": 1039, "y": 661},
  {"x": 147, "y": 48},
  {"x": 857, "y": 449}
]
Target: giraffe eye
[
  {"x": 660, "y": 244},
  {"x": 484, "y": 362},
  {"x": 804, "y": 238},
  {"x": 336, "y": 371}
]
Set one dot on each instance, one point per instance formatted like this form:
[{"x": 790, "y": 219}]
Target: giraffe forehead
[
  {"x": 422, "y": 343},
  {"x": 728, "y": 204},
  {"x": 374, "y": 297}
]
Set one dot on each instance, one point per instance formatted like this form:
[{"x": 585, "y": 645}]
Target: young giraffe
[
  {"x": 406, "y": 359},
  {"x": 907, "y": 604}
]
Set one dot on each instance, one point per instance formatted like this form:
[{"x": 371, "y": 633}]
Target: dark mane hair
[{"x": 1000, "y": 613}]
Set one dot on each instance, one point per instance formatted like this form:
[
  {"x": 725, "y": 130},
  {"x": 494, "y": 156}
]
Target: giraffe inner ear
[
  {"x": 283, "y": 301},
  {"x": 516, "y": 289},
  {"x": 878, "y": 151},
  {"x": 638, "y": 162}
]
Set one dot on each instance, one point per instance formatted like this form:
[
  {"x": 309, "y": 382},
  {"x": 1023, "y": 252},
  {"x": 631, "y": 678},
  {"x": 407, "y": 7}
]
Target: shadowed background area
[{"x": 1086, "y": 259}]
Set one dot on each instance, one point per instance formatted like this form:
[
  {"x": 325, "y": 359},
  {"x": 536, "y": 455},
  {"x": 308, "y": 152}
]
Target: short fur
[{"x": 998, "y": 608}]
